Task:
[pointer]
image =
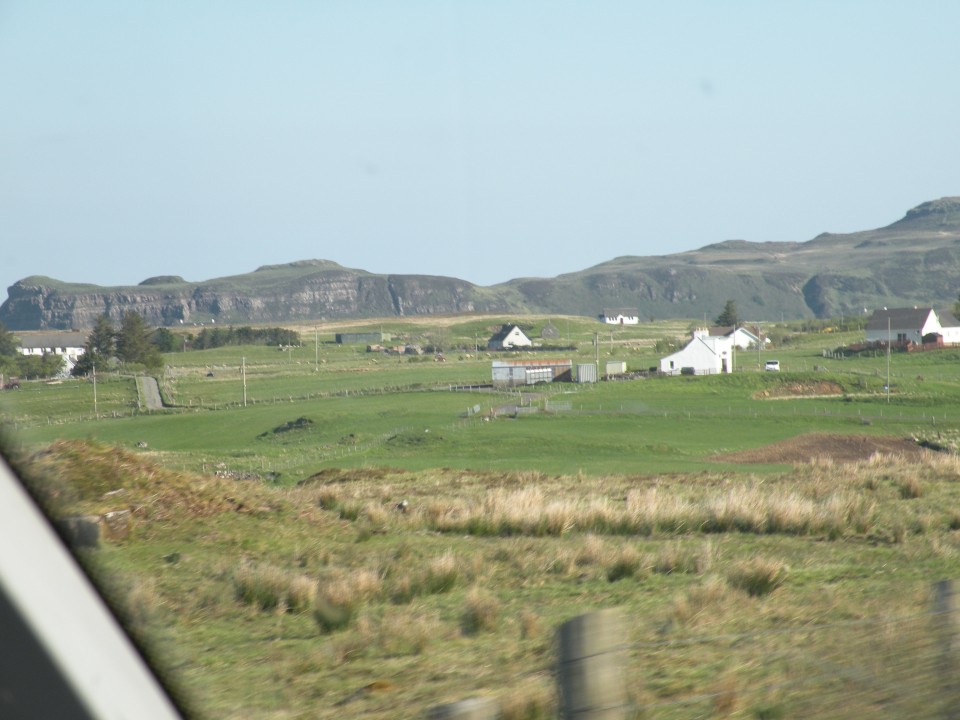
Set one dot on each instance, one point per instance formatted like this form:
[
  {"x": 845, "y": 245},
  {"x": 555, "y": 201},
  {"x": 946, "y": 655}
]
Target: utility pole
[
  {"x": 759, "y": 343},
  {"x": 316, "y": 349},
  {"x": 95, "y": 412},
  {"x": 888, "y": 359},
  {"x": 243, "y": 374}
]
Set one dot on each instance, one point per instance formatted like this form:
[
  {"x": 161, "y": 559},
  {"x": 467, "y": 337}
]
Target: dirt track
[{"x": 839, "y": 448}]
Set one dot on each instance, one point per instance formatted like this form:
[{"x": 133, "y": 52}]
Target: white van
[{"x": 772, "y": 366}]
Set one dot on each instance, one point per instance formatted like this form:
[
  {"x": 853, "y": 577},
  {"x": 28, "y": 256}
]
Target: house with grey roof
[
  {"x": 69, "y": 345},
  {"x": 903, "y": 325}
]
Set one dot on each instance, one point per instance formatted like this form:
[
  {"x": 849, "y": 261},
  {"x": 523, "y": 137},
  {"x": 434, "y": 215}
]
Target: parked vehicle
[{"x": 772, "y": 366}]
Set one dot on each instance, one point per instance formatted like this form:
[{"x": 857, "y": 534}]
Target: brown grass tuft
[
  {"x": 757, "y": 576},
  {"x": 269, "y": 587},
  {"x": 481, "y": 612}
]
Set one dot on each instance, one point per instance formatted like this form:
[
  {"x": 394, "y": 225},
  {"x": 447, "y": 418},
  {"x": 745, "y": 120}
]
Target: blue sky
[{"x": 483, "y": 140}]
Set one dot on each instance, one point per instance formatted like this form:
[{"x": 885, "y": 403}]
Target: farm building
[
  {"x": 620, "y": 316},
  {"x": 365, "y": 338},
  {"x": 586, "y": 373},
  {"x": 705, "y": 354},
  {"x": 69, "y": 345},
  {"x": 903, "y": 326},
  {"x": 508, "y": 338},
  {"x": 530, "y": 372},
  {"x": 615, "y": 367}
]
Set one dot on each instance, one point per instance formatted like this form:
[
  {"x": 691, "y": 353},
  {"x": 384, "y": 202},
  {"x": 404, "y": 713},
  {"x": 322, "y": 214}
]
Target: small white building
[
  {"x": 620, "y": 316},
  {"x": 508, "y": 338},
  {"x": 705, "y": 354},
  {"x": 902, "y": 325},
  {"x": 69, "y": 345}
]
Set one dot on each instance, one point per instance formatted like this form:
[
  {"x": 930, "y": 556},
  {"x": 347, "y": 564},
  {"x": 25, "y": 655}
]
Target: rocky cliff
[{"x": 914, "y": 261}]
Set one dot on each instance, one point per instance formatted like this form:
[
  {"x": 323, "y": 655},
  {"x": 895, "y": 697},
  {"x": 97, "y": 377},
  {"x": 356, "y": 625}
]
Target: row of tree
[{"x": 130, "y": 343}]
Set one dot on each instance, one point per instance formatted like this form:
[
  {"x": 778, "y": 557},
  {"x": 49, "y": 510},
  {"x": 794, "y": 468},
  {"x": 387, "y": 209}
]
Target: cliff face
[
  {"x": 273, "y": 294},
  {"x": 914, "y": 261}
]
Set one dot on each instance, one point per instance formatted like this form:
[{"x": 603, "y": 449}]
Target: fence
[{"x": 887, "y": 667}]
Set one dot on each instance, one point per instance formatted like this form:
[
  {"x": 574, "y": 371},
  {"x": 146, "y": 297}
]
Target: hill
[{"x": 914, "y": 261}]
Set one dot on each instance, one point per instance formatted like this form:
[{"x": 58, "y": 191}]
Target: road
[{"x": 150, "y": 392}]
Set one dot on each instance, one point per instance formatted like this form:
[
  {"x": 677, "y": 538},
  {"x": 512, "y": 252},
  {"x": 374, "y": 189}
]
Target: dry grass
[
  {"x": 269, "y": 587},
  {"x": 481, "y": 612},
  {"x": 757, "y": 576},
  {"x": 693, "y": 606}
]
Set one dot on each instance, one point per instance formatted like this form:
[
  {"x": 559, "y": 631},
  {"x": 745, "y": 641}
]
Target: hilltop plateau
[{"x": 914, "y": 261}]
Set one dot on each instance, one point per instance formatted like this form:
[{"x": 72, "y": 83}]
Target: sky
[{"x": 485, "y": 140}]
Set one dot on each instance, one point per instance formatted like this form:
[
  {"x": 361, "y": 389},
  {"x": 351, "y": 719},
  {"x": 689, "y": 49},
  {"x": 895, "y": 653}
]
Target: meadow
[{"x": 269, "y": 566}]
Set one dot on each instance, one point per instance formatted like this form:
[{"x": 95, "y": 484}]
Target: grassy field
[{"x": 266, "y": 558}]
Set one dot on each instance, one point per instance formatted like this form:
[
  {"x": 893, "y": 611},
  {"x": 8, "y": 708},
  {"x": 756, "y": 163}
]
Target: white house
[
  {"x": 902, "y": 325},
  {"x": 620, "y": 316},
  {"x": 705, "y": 354},
  {"x": 508, "y": 338},
  {"x": 69, "y": 345},
  {"x": 742, "y": 337}
]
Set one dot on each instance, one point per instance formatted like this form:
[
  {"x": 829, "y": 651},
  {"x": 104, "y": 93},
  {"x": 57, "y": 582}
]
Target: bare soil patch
[{"x": 839, "y": 448}]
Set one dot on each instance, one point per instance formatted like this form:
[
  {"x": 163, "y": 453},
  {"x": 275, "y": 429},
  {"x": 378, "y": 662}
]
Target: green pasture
[{"x": 369, "y": 409}]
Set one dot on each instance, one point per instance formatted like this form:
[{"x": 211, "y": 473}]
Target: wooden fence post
[
  {"x": 946, "y": 620},
  {"x": 590, "y": 667},
  {"x": 471, "y": 709}
]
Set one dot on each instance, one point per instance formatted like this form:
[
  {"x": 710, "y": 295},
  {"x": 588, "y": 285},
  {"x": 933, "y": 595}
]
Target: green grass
[{"x": 269, "y": 556}]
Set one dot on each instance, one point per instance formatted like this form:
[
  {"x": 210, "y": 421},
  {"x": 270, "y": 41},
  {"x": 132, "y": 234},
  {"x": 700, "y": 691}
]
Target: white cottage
[
  {"x": 69, "y": 345},
  {"x": 508, "y": 338},
  {"x": 704, "y": 355},
  {"x": 620, "y": 316},
  {"x": 902, "y": 325}
]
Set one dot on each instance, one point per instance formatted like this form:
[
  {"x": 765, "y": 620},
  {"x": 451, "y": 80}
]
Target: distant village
[{"x": 709, "y": 350}]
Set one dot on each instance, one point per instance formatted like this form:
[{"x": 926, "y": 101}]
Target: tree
[
  {"x": 8, "y": 342},
  {"x": 165, "y": 341},
  {"x": 956, "y": 307},
  {"x": 729, "y": 316},
  {"x": 99, "y": 348},
  {"x": 133, "y": 342}
]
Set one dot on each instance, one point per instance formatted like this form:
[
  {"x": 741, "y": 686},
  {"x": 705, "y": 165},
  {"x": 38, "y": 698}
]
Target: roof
[
  {"x": 947, "y": 319},
  {"x": 899, "y": 318},
  {"x": 614, "y": 312},
  {"x": 721, "y": 331},
  {"x": 52, "y": 339}
]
